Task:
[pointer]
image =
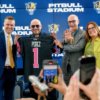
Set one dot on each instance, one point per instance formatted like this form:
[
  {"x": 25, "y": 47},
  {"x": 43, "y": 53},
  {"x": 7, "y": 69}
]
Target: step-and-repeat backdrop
[{"x": 52, "y": 14}]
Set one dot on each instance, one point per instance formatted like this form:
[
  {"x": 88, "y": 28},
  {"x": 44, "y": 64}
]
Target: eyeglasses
[
  {"x": 91, "y": 28},
  {"x": 33, "y": 26},
  {"x": 72, "y": 21}
]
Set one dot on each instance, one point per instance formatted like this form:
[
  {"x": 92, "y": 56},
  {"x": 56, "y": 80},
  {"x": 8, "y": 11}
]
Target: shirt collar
[
  {"x": 6, "y": 34},
  {"x": 97, "y": 39},
  {"x": 74, "y": 33}
]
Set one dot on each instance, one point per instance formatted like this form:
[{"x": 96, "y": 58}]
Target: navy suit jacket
[{"x": 3, "y": 52}]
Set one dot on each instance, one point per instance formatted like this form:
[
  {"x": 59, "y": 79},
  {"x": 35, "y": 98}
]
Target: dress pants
[{"x": 9, "y": 78}]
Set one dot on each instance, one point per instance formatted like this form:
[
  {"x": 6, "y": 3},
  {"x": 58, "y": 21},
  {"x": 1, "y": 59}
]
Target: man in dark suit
[{"x": 7, "y": 60}]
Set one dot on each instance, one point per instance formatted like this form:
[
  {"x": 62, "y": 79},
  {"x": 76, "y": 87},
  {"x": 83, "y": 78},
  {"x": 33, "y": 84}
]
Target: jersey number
[{"x": 35, "y": 61}]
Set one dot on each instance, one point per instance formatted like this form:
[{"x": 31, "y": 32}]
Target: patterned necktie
[{"x": 10, "y": 52}]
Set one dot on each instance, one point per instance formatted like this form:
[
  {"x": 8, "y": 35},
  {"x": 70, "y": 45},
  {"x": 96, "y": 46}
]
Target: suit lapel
[
  {"x": 3, "y": 41},
  {"x": 3, "y": 38}
]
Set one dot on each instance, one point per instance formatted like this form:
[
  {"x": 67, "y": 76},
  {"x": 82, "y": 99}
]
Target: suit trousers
[{"x": 9, "y": 78}]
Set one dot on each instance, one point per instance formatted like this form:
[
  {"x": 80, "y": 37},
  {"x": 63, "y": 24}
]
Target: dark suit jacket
[{"x": 3, "y": 52}]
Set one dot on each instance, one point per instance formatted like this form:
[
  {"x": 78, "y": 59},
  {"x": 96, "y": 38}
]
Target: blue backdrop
[{"x": 52, "y": 13}]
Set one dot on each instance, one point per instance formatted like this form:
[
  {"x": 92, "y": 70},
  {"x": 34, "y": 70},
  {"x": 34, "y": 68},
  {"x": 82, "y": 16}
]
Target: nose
[{"x": 35, "y": 27}]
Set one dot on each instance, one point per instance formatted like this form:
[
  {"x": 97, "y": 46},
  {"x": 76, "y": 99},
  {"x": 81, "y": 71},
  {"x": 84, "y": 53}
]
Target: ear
[
  {"x": 78, "y": 21},
  {"x": 41, "y": 27}
]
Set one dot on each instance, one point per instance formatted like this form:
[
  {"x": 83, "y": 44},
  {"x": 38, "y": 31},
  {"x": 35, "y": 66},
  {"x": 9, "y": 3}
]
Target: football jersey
[{"x": 34, "y": 51}]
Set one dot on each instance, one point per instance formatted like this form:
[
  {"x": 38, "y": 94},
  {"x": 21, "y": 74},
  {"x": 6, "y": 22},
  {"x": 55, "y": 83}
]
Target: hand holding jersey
[{"x": 35, "y": 49}]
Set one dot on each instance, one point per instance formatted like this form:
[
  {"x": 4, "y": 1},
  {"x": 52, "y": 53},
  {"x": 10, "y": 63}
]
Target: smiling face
[
  {"x": 9, "y": 25},
  {"x": 36, "y": 26},
  {"x": 92, "y": 31},
  {"x": 73, "y": 22}
]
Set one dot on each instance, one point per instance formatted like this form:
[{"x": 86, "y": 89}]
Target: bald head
[
  {"x": 72, "y": 16},
  {"x": 36, "y": 26},
  {"x": 73, "y": 22},
  {"x": 35, "y": 21}
]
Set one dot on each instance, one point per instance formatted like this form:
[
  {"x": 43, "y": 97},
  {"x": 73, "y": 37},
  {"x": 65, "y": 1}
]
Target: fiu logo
[
  {"x": 53, "y": 28},
  {"x": 30, "y": 7},
  {"x": 97, "y": 6}
]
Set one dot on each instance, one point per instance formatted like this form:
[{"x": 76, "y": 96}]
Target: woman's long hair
[{"x": 87, "y": 33}]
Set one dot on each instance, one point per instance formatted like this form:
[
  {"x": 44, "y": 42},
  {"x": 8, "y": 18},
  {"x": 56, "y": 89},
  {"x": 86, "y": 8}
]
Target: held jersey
[{"x": 34, "y": 51}]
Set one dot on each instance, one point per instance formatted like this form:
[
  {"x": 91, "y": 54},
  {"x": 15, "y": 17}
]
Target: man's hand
[
  {"x": 53, "y": 35},
  {"x": 70, "y": 92},
  {"x": 16, "y": 39},
  {"x": 61, "y": 86},
  {"x": 58, "y": 43},
  {"x": 68, "y": 36}
]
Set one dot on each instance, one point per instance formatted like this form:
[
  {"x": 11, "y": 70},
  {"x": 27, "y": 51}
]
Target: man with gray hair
[{"x": 73, "y": 47}]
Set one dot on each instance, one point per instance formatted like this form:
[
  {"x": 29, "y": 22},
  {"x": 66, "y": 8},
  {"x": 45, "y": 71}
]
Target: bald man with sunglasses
[{"x": 34, "y": 49}]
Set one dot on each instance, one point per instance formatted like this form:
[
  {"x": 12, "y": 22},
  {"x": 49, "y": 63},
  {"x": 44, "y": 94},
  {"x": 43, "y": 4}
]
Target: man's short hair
[{"x": 10, "y": 18}]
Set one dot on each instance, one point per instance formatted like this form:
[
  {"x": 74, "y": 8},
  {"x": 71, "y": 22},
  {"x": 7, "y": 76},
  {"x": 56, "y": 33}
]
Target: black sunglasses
[{"x": 33, "y": 26}]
